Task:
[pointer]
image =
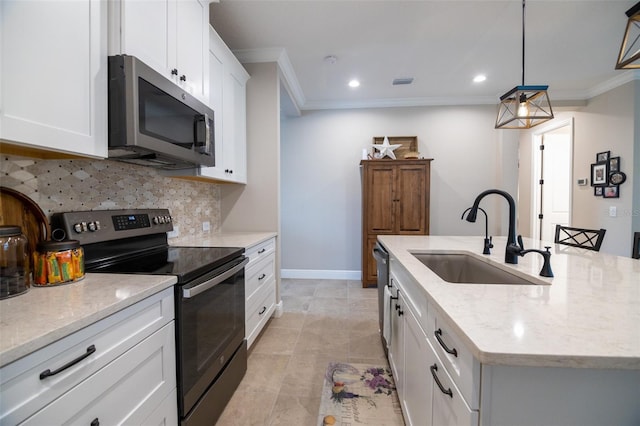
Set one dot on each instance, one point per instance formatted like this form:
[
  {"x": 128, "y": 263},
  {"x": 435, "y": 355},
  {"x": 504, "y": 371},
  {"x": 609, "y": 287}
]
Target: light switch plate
[
  {"x": 613, "y": 211},
  {"x": 583, "y": 181}
]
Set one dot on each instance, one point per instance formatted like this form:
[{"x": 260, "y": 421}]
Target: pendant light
[
  {"x": 629, "y": 56},
  {"x": 524, "y": 106}
]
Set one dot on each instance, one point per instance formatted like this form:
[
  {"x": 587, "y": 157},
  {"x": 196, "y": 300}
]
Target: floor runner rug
[{"x": 359, "y": 394}]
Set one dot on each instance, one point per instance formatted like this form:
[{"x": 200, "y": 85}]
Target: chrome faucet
[
  {"x": 488, "y": 244},
  {"x": 512, "y": 250},
  {"x": 546, "y": 267}
]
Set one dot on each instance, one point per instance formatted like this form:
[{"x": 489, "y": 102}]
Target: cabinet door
[
  {"x": 126, "y": 391},
  {"x": 191, "y": 39},
  {"x": 53, "y": 75},
  {"x": 235, "y": 158},
  {"x": 145, "y": 29},
  {"x": 370, "y": 269},
  {"x": 396, "y": 346},
  {"x": 380, "y": 199},
  {"x": 411, "y": 196},
  {"x": 418, "y": 386}
]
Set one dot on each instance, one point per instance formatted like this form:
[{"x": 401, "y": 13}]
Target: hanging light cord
[{"x": 523, "y": 42}]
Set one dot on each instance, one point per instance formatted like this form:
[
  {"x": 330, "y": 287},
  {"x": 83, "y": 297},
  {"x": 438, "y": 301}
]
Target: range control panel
[{"x": 104, "y": 225}]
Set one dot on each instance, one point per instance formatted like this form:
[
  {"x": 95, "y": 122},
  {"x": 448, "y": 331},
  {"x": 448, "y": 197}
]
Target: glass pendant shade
[
  {"x": 524, "y": 107},
  {"x": 629, "y": 57}
]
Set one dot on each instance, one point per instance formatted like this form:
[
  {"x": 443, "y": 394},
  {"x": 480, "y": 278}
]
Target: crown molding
[{"x": 279, "y": 55}]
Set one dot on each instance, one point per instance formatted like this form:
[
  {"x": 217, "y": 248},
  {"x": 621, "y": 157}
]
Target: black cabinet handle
[
  {"x": 434, "y": 369},
  {"x": 174, "y": 71},
  {"x": 397, "y": 306},
  {"x": 48, "y": 373},
  {"x": 95, "y": 422},
  {"x": 400, "y": 312},
  {"x": 183, "y": 77},
  {"x": 262, "y": 250},
  {"x": 261, "y": 277},
  {"x": 264, "y": 308},
  {"x": 453, "y": 351}
]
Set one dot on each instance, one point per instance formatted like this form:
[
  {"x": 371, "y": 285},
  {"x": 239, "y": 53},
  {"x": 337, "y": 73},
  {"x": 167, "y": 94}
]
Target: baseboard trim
[
  {"x": 321, "y": 274},
  {"x": 277, "y": 313}
]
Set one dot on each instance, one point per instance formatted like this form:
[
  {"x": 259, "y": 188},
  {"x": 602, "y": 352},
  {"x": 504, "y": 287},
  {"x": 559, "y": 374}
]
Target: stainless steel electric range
[{"x": 209, "y": 297}]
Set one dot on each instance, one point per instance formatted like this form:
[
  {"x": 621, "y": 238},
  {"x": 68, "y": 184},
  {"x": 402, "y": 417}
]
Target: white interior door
[{"x": 554, "y": 169}]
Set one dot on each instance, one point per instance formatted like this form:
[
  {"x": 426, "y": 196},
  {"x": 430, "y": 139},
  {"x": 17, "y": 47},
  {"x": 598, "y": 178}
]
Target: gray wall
[
  {"x": 607, "y": 123},
  {"x": 321, "y": 201}
]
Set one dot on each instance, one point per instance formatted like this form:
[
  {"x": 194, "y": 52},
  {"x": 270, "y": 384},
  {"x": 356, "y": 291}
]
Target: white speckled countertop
[
  {"x": 43, "y": 315},
  {"x": 225, "y": 239},
  {"x": 588, "y": 317}
]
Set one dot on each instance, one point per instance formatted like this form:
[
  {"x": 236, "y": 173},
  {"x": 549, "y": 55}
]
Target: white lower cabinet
[
  {"x": 120, "y": 369},
  {"x": 428, "y": 395},
  {"x": 124, "y": 392},
  {"x": 417, "y": 382},
  {"x": 260, "y": 287},
  {"x": 441, "y": 383}
]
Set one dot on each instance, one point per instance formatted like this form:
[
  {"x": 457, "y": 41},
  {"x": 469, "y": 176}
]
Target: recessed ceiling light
[
  {"x": 479, "y": 78},
  {"x": 354, "y": 83}
]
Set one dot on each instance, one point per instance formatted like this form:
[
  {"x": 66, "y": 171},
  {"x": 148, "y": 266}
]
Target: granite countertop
[
  {"x": 43, "y": 315},
  {"x": 224, "y": 239},
  {"x": 588, "y": 316}
]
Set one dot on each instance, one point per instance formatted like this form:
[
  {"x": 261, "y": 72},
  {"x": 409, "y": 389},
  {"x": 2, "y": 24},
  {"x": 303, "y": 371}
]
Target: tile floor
[{"x": 323, "y": 320}]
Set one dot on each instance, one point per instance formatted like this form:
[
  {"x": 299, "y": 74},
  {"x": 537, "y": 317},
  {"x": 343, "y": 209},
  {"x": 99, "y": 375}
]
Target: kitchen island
[{"x": 564, "y": 351}]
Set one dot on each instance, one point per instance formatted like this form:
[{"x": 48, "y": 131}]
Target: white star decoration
[{"x": 386, "y": 149}]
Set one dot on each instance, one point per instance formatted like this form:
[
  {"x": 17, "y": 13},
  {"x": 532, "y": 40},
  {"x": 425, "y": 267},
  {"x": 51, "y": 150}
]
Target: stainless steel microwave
[{"x": 153, "y": 121}]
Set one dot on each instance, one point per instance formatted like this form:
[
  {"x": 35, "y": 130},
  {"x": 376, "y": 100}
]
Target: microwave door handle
[
  {"x": 207, "y": 134},
  {"x": 188, "y": 293}
]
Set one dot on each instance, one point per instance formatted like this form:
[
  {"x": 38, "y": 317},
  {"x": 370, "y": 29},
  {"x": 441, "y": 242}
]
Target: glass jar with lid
[{"x": 15, "y": 274}]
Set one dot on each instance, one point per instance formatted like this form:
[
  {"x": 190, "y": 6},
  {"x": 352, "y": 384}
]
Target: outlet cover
[
  {"x": 173, "y": 234},
  {"x": 206, "y": 226},
  {"x": 613, "y": 211}
]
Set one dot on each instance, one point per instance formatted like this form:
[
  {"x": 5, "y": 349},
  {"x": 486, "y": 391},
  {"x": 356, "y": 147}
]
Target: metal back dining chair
[{"x": 590, "y": 239}]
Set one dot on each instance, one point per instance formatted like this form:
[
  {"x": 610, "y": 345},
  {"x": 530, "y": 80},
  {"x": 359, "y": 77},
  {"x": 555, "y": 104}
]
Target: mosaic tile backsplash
[{"x": 79, "y": 184}]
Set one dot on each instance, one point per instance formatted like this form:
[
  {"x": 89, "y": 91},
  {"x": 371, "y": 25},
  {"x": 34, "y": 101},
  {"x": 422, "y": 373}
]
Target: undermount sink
[{"x": 466, "y": 269}]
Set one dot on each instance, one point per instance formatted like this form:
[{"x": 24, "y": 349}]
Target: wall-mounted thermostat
[{"x": 583, "y": 181}]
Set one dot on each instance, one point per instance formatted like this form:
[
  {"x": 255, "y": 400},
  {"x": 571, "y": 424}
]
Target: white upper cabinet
[
  {"x": 171, "y": 36},
  {"x": 53, "y": 75},
  {"x": 228, "y": 91}
]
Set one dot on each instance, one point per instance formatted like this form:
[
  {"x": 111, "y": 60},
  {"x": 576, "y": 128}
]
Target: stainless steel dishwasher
[{"x": 382, "y": 266}]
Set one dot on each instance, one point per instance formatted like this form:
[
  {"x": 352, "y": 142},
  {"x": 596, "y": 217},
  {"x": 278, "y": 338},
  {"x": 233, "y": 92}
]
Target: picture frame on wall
[
  {"x": 611, "y": 191},
  {"x": 614, "y": 164},
  {"x": 597, "y": 191},
  {"x": 600, "y": 173},
  {"x": 602, "y": 156}
]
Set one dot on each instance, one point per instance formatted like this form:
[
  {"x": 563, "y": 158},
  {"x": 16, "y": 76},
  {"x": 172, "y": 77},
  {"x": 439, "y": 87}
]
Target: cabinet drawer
[
  {"x": 23, "y": 393},
  {"x": 259, "y": 309},
  {"x": 260, "y": 251},
  {"x": 259, "y": 274},
  {"x": 462, "y": 367},
  {"x": 127, "y": 391},
  {"x": 449, "y": 408}
]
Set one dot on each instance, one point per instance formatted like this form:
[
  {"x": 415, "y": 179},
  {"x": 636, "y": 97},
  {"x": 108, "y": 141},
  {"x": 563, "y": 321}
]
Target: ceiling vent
[{"x": 401, "y": 81}]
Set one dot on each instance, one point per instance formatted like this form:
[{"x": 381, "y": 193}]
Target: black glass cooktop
[{"x": 187, "y": 263}]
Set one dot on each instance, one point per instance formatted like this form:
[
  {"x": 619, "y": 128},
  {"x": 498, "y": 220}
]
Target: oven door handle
[{"x": 188, "y": 293}]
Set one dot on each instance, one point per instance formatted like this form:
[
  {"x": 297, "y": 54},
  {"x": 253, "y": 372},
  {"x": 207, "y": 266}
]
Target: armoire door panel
[
  {"x": 411, "y": 212},
  {"x": 380, "y": 196}
]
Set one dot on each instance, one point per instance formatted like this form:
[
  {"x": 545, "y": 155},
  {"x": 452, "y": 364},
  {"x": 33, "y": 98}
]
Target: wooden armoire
[{"x": 395, "y": 201}]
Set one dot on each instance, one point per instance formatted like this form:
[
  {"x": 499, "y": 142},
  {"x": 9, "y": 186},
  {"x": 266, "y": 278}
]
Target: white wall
[{"x": 320, "y": 155}]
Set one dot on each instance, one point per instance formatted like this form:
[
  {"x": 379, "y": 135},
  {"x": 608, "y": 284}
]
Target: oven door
[{"x": 210, "y": 328}]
